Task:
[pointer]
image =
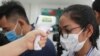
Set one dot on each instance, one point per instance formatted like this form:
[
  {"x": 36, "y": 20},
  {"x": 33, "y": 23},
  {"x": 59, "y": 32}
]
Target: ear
[
  {"x": 21, "y": 22},
  {"x": 89, "y": 31}
]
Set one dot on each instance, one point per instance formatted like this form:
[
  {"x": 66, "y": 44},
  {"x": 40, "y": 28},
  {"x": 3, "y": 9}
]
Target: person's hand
[{"x": 30, "y": 38}]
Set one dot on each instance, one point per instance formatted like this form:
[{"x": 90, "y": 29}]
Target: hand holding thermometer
[
  {"x": 36, "y": 43},
  {"x": 43, "y": 23}
]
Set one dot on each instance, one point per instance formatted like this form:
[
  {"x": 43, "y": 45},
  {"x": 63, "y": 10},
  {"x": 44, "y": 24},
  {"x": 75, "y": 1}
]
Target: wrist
[
  {"x": 28, "y": 43},
  {"x": 23, "y": 43}
]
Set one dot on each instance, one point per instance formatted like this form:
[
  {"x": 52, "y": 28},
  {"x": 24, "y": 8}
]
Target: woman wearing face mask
[{"x": 79, "y": 31}]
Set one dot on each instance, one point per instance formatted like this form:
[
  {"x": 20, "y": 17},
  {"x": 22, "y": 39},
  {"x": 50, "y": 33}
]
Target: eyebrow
[{"x": 65, "y": 26}]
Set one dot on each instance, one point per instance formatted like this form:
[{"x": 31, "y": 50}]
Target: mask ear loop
[
  {"x": 15, "y": 27},
  {"x": 80, "y": 33},
  {"x": 21, "y": 31},
  {"x": 20, "y": 28}
]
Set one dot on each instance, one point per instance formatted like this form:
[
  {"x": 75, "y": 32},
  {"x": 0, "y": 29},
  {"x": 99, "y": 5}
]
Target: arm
[
  {"x": 13, "y": 49},
  {"x": 17, "y": 47}
]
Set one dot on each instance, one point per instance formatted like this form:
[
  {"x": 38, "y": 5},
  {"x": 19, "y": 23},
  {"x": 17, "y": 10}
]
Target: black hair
[
  {"x": 3, "y": 39},
  {"x": 96, "y": 5},
  {"x": 13, "y": 9},
  {"x": 83, "y": 15}
]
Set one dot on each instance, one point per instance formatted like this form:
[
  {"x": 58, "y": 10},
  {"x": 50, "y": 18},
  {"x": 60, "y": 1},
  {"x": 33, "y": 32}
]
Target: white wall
[
  {"x": 34, "y": 9},
  {"x": 27, "y": 7}
]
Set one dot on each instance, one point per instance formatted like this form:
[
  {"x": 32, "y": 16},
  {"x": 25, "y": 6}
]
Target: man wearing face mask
[
  {"x": 79, "y": 31},
  {"x": 15, "y": 24},
  {"x": 11, "y": 35}
]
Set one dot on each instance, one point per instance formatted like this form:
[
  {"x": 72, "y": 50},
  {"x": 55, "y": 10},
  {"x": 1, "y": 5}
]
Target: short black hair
[
  {"x": 3, "y": 39},
  {"x": 83, "y": 15},
  {"x": 13, "y": 9},
  {"x": 96, "y": 5}
]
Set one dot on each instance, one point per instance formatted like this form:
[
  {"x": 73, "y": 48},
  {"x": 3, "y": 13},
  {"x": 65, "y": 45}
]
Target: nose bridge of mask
[
  {"x": 65, "y": 36},
  {"x": 69, "y": 35}
]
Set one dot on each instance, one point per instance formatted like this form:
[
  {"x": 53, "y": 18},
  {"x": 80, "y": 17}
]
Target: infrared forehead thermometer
[{"x": 44, "y": 24}]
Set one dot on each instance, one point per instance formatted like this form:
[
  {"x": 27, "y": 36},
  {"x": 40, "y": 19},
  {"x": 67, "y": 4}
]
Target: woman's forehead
[
  {"x": 67, "y": 21},
  {"x": 64, "y": 20}
]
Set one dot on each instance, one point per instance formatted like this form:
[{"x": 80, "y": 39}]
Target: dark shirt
[{"x": 48, "y": 50}]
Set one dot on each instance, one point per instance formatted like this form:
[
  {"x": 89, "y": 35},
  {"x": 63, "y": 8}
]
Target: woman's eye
[{"x": 68, "y": 31}]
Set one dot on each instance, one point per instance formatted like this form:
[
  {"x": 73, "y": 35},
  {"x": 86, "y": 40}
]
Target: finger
[
  {"x": 48, "y": 32},
  {"x": 39, "y": 32},
  {"x": 43, "y": 38},
  {"x": 42, "y": 43}
]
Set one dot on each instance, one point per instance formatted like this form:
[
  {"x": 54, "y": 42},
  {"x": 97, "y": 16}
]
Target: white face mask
[{"x": 71, "y": 43}]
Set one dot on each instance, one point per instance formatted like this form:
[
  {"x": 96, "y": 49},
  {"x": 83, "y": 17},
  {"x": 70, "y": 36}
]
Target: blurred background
[{"x": 34, "y": 8}]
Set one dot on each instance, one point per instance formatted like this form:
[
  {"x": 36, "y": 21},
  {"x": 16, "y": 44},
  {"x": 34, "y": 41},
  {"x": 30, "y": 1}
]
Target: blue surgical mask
[{"x": 11, "y": 35}]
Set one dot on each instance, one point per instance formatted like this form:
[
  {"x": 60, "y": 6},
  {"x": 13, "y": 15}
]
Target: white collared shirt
[{"x": 94, "y": 52}]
